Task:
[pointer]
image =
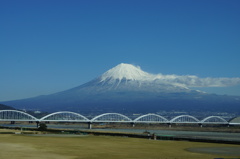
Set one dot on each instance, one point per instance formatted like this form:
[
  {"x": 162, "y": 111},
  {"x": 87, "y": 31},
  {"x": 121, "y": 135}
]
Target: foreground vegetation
[{"x": 98, "y": 147}]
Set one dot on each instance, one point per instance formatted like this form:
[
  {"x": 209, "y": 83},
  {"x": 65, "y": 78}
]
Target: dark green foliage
[{"x": 42, "y": 127}]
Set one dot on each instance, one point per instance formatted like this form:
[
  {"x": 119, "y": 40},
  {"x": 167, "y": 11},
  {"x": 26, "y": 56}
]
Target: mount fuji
[{"x": 127, "y": 89}]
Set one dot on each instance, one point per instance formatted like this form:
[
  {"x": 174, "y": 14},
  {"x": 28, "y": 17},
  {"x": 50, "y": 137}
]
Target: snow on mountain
[
  {"x": 130, "y": 77},
  {"x": 134, "y": 73},
  {"x": 126, "y": 72}
]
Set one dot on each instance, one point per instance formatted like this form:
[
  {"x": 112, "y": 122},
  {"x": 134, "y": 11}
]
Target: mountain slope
[
  {"x": 5, "y": 107},
  {"x": 126, "y": 88}
]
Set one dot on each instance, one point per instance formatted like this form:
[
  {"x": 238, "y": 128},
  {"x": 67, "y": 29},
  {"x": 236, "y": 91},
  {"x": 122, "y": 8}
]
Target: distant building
[{"x": 37, "y": 112}]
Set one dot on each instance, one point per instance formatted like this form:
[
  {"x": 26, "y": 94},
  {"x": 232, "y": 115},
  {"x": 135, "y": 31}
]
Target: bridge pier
[
  {"x": 89, "y": 125},
  {"x": 133, "y": 125},
  {"x": 200, "y": 124},
  {"x": 12, "y": 122},
  {"x": 37, "y": 122},
  {"x": 169, "y": 125}
]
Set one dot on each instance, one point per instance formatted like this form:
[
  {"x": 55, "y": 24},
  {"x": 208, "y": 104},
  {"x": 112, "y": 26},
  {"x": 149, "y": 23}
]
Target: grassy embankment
[{"x": 99, "y": 147}]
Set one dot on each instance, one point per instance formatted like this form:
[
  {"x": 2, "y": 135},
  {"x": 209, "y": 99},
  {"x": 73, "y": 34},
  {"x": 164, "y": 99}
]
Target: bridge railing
[
  {"x": 66, "y": 116},
  {"x": 150, "y": 118},
  {"x": 214, "y": 120},
  {"x": 15, "y": 115},
  {"x": 111, "y": 117},
  {"x": 184, "y": 119}
]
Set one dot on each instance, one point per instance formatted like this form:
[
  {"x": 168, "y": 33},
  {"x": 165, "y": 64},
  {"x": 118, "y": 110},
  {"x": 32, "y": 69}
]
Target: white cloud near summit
[{"x": 194, "y": 81}]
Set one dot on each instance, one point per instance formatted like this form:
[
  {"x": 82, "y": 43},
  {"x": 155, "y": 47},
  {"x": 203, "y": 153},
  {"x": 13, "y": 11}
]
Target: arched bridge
[
  {"x": 67, "y": 116},
  {"x": 15, "y": 115}
]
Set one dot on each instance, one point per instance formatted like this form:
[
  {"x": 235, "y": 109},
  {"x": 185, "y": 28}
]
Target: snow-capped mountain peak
[
  {"x": 130, "y": 72},
  {"x": 126, "y": 72},
  {"x": 130, "y": 77}
]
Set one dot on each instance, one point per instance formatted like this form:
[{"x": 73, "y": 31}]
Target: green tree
[{"x": 42, "y": 127}]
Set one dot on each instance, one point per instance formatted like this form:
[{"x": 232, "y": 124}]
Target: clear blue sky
[{"x": 48, "y": 46}]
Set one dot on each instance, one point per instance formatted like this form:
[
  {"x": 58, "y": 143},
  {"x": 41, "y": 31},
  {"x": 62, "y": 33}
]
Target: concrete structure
[{"x": 66, "y": 116}]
